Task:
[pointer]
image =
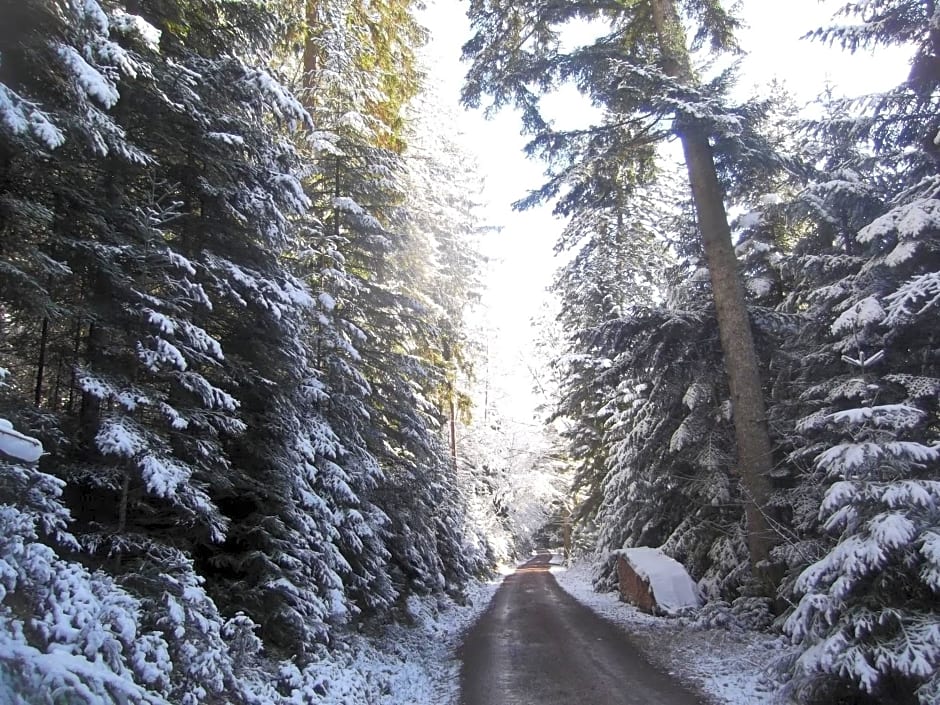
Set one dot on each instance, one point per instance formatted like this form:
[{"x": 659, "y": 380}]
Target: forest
[{"x": 239, "y": 375}]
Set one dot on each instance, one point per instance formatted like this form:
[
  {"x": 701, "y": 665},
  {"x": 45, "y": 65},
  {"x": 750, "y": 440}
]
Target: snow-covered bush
[
  {"x": 73, "y": 635},
  {"x": 67, "y": 634},
  {"x": 743, "y": 614},
  {"x": 176, "y": 605}
]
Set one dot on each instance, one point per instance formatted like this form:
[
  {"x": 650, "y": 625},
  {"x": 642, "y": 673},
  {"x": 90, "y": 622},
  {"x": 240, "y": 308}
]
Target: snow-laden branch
[{"x": 18, "y": 446}]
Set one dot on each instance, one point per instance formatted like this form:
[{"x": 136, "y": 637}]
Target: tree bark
[
  {"x": 754, "y": 460},
  {"x": 311, "y": 51},
  {"x": 89, "y": 413}
]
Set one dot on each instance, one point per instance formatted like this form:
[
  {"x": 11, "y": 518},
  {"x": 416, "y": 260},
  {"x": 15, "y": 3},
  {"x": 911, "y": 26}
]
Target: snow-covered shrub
[
  {"x": 604, "y": 574},
  {"x": 240, "y": 632},
  {"x": 583, "y": 538},
  {"x": 72, "y": 635},
  {"x": 67, "y": 634},
  {"x": 867, "y": 625},
  {"x": 176, "y": 605},
  {"x": 743, "y": 614}
]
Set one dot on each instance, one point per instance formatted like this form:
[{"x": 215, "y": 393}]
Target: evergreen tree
[
  {"x": 863, "y": 510},
  {"x": 866, "y": 621},
  {"x": 239, "y": 360},
  {"x": 615, "y": 272},
  {"x": 641, "y": 72},
  {"x": 170, "y": 213},
  {"x": 406, "y": 285}
]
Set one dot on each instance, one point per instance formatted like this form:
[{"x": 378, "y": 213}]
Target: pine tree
[
  {"x": 234, "y": 354},
  {"x": 398, "y": 257},
  {"x": 614, "y": 273},
  {"x": 669, "y": 438},
  {"x": 174, "y": 203}
]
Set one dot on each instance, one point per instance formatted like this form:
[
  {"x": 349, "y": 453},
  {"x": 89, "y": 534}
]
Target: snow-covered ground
[
  {"x": 412, "y": 664},
  {"x": 726, "y": 667}
]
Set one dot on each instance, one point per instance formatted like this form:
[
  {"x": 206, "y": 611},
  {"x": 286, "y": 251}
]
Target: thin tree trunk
[
  {"x": 76, "y": 350},
  {"x": 754, "y": 460},
  {"x": 566, "y": 530},
  {"x": 453, "y": 425},
  {"x": 486, "y": 385},
  {"x": 311, "y": 51},
  {"x": 122, "y": 514},
  {"x": 57, "y": 387},
  {"x": 41, "y": 362},
  {"x": 89, "y": 412}
]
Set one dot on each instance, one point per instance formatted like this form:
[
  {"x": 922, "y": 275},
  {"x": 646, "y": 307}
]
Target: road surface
[{"x": 537, "y": 645}]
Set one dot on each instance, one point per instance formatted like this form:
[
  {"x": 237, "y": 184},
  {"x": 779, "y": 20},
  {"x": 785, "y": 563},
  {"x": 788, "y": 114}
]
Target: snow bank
[
  {"x": 16, "y": 445},
  {"x": 669, "y": 582},
  {"x": 412, "y": 664}
]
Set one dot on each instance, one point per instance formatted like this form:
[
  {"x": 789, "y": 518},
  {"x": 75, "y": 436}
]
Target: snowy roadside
[
  {"x": 405, "y": 664},
  {"x": 726, "y": 667}
]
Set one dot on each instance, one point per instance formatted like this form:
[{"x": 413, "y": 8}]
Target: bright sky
[{"x": 521, "y": 254}]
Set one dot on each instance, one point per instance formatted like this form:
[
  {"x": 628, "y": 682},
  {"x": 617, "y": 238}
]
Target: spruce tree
[
  {"x": 406, "y": 342},
  {"x": 515, "y": 52},
  {"x": 865, "y": 624}
]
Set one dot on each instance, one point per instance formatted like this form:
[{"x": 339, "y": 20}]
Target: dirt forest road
[{"x": 536, "y": 645}]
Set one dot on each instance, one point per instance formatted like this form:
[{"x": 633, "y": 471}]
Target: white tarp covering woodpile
[{"x": 654, "y": 582}]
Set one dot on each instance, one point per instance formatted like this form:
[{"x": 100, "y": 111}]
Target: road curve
[{"x": 537, "y": 645}]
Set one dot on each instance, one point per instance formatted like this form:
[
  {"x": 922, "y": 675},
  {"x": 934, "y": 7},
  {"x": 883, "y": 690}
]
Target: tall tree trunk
[
  {"x": 76, "y": 351},
  {"x": 566, "y": 530},
  {"x": 311, "y": 51},
  {"x": 737, "y": 340},
  {"x": 57, "y": 387}
]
